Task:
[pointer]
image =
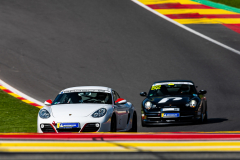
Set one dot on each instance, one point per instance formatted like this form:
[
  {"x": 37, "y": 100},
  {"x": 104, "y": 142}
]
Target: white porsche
[{"x": 87, "y": 109}]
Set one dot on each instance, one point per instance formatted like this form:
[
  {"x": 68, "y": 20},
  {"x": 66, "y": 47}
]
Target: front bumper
[
  {"x": 87, "y": 124},
  {"x": 153, "y": 119}
]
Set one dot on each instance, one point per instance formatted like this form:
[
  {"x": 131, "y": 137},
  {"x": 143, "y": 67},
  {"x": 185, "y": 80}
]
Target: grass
[
  {"x": 232, "y": 3},
  {"x": 16, "y": 116}
]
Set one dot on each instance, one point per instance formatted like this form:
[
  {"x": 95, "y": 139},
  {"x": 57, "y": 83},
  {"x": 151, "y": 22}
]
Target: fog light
[
  {"x": 42, "y": 125},
  {"x": 97, "y": 124}
]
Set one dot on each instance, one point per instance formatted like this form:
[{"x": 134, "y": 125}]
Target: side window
[
  {"x": 117, "y": 95},
  {"x": 114, "y": 96}
]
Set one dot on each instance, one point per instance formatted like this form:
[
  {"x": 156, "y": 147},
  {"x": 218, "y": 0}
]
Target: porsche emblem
[{"x": 70, "y": 114}]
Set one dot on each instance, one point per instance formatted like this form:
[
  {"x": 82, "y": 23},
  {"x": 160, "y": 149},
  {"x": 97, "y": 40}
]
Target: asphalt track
[
  {"x": 46, "y": 46},
  {"x": 121, "y": 156}
]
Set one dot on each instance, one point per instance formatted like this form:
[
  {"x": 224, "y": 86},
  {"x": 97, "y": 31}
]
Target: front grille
[
  {"x": 47, "y": 128},
  {"x": 90, "y": 127},
  {"x": 154, "y": 119},
  {"x": 69, "y": 130},
  {"x": 163, "y": 120}
]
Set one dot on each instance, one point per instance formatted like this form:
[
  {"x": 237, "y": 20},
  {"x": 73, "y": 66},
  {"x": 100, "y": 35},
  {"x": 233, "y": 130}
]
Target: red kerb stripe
[
  {"x": 21, "y": 98},
  {"x": 8, "y": 91},
  {"x": 34, "y": 104},
  {"x": 132, "y": 137},
  {"x": 178, "y": 6},
  {"x": 196, "y": 15},
  {"x": 234, "y": 27}
]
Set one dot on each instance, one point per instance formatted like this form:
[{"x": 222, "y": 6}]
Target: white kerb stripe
[{"x": 20, "y": 93}]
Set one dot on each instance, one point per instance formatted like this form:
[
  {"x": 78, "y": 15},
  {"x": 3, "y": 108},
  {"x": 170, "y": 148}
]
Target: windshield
[
  {"x": 170, "y": 89},
  {"x": 83, "y": 97}
]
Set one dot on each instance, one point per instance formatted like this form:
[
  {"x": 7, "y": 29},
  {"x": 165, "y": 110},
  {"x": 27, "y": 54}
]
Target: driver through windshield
[
  {"x": 83, "y": 97},
  {"x": 171, "y": 89}
]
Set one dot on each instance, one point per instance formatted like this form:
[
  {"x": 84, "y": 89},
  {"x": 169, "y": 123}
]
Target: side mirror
[
  {"x": 144, "y": 94},
  {"x": 202, "y": 92},
  {"x": 120, "y": 101},
  {"x": 48, "y": 102}
]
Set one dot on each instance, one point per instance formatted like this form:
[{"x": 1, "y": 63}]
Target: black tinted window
[
  {"x": 83, "y": 97},
  {"x": 171, "y": 89}
]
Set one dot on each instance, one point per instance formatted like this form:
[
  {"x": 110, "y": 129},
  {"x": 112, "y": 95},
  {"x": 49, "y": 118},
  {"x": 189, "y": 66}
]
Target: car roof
[
  {"x": 89, "y": 88},
  {"x": 174, "y": 81}
]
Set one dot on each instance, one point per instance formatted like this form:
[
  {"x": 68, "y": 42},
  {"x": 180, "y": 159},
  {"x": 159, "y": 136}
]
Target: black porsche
[{"x": 173, "y": 102}]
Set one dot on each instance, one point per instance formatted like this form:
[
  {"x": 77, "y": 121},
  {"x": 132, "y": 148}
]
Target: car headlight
[
  {"x": 193, "y": 103},
  {"x": 99, "y": 113},
  {"x": 43, "y": 113},
  {"x": 148, "y": 105}
]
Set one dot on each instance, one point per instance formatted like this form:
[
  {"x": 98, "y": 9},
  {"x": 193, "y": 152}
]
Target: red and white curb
[
  {"x": 120, "y": 142},
  {"x": 19, "y": 95}
]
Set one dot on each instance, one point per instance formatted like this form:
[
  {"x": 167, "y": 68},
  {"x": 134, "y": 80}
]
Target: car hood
[
  {"x": 76, "y": 110},
  {"x": 173, "y": 100}
]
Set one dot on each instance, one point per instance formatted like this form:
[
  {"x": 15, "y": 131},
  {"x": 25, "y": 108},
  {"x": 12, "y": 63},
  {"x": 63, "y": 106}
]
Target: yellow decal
[
  {"x": 171, "y": 84},
  {"x": 162, "y": 114},
  {"x": 58, "y": 125},
  {"x": 156, "y": 87}
]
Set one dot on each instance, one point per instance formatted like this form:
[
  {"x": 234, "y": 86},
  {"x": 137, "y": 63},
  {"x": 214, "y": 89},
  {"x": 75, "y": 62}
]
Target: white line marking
[
  {"x": 20, "y": 93},
  {"x": 186, "y": 28}
]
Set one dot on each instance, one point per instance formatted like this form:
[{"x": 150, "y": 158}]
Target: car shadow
[
  {"x": 216, "y": 120},
  {"x": 210, "y": 121}
]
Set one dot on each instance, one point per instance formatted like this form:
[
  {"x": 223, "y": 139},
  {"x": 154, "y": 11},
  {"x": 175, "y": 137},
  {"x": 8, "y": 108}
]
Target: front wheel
[
  {"x": 200, "y": 121},
  {"x": 113, "y": 124},
  {"x": 143, "y": 125},
  {"x": 205, "y": 117}
]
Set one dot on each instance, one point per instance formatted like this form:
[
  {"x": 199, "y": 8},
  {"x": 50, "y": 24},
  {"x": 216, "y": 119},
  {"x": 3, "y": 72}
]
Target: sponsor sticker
[
  {"x": 79, "y": 90},
  {"x": 68, "y": 125},
  {"x": 167, "y": 115},
  {"x": 170, "y": 109},
  {"x": 172, "y": 83}
]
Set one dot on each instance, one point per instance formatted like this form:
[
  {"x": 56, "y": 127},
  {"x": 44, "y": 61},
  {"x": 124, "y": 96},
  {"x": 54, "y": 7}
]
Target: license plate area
[
  {"x": 170, "y": 115},
  {"x": 171, "y": 109},
  {"x": 68, "y": 125}
]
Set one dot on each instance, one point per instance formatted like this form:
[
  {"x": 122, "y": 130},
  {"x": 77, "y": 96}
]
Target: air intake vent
[
  {"x": 91, "y": 127},
  {"x": 47, "y": 128}
]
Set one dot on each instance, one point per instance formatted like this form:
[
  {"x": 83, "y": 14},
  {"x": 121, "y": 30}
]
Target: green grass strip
[
  {"x": 232, "y": 3},
  {"x": 16, "y": 116},
  {"x": 218, "y": 5}
]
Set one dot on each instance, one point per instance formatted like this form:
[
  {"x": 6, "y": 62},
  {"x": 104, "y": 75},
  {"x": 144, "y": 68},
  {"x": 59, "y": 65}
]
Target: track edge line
[
  {"x": 186, "y": 28},
  {"x": 12, "y": 89}
]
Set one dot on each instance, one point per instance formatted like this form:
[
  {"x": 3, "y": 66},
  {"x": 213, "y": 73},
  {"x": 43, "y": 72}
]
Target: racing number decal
[{"x": 166, "y": 99}]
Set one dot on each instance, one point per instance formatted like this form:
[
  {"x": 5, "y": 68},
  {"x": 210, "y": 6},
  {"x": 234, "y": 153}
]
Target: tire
[
  {"x": 113, "y": 124},
  {"x": 199, "y": 121},
  {"x": 143, "y": 125},
  {"x": 134, "y": 123},
  {"x": 205, "y": 117}
]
